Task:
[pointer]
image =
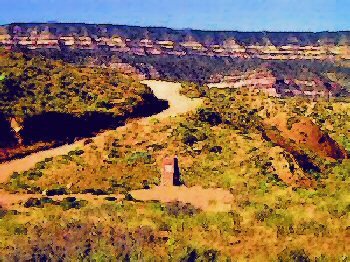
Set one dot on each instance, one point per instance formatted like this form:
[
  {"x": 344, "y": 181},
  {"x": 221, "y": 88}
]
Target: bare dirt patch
[
  {"x": 207, "y": 199},
  {"x": 7, "y": 200}
]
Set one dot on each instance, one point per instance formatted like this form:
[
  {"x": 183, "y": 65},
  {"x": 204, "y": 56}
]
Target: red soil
[{"x": 302, "y": 137}]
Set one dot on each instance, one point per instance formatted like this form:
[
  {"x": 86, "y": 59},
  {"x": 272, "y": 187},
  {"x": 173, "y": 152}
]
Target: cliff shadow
[
  {"x": 53, "y": 128},
  {"x": 65, "y": 128}
]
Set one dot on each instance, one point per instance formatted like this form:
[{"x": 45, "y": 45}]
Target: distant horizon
[
  {"x": 204, "y": 15},
  {"x": 172, "y": 28}
]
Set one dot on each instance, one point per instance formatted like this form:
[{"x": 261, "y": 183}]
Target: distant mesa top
[{"x": 160, "y": 40}]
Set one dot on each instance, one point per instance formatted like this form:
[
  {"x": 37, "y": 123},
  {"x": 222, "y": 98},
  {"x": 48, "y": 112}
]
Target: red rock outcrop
[{"x": 305, "y": 140}]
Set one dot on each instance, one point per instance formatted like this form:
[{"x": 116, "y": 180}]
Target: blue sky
[{"x": 242, "y": 15}]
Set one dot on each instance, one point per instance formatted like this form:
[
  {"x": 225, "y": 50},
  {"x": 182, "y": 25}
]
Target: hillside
[
  {"x": 45, "y": 102},
  {"x": 32, "y": 85},
  {"x": 221, "y": 145},
  {"x": 121, "y": 143}
]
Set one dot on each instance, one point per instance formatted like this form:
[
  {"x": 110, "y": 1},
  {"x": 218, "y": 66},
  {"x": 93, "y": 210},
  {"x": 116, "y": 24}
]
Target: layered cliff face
[
  {"x": 156, "y": 41},
  {"x": 196, "y": 56}
]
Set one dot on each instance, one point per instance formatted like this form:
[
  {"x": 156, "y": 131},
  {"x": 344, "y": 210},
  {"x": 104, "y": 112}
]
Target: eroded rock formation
[{"x": 311, "y": 147}]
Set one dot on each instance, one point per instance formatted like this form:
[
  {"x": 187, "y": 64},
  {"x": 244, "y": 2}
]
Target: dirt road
[
  {"x": 215, "y": 199},
  {"x": 170, "y": 91},
  {"x": 163, "y": 90}
]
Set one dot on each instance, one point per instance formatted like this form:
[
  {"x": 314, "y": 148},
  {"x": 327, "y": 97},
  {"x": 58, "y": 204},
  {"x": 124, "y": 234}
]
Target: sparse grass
[
  {"x": 269, "y": 220},
  {"x": 170, "y": 230}
]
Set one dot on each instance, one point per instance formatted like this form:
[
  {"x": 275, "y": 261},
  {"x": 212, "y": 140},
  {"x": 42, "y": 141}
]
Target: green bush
[
  {"x": 3, "y": 212},
  {"x": 209, "y": 116},
  {"x": 264, "y": 214},
  {"x": 56, "y": 191},
  {"x": 298, "y": 255},
  {"x": 33, "y": 175},
  {"x": 178, "y": 208},
  {"x": 95, "y": 191},
  {"x": 38, "y": 202},
  {"x": 109, "y": 198},
  {"x": 71, "y": 202},
  {"x": 143, "y": 157}
]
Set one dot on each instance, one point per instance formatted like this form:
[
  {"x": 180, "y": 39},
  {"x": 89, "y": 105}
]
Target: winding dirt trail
[{"x": 169, "y": 91}]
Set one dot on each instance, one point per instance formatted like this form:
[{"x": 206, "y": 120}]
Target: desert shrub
[
  {"x": 33, "y": 202},
  {"x": 109, "y": 198},
  {"x": 114, "y": 153},
  {"x": 191, "y": 135},
  {"x": 216, "y": 149},
  {"x": 211, "y": 255},
  {"x": 263, "y": 214},
  {"x": 16, "y": 182},
  {"x": 72, "y": 202},
  {"x": 178, "y": 208},
  {"x": 76, "y": 152},
  {"x": 143, "y": 157},
  {"x": 47, "y": 200},
  {"x": 345, "y": 142},
  {"x": 95, "y": 191},
  {"x": 40, "y": 165},
  {"x": 298, "y": 255},
  {"x": 65, "y": 159},
  {"x": 129, "y": 197},
  {"x": 291, "y": 121},
  {"x": 237, "y": 218},
  {"x": 311, "y": 227},
  {"x": 285, "y": 230},
  {"x": 38, "y": 202},
  {"x": 33, "y": 174},
  {"x": 192, "y": 90},
  {"x": 157, "y": 147},
  {"x": 200, "y": 254},
  {"x": 338, "y": 209},
  {"x": 88, "y": 141},
  {"x": 146, "y": 184},
  {"x": 191, "y": 255},
  {"x": 342, "y": 171},
  {"x": 189, "y": 138},
  {"x": 3, "y": 212},
  {"x": 56, "y": 191},
  {"x": 209, "y": 116},
  {"x": 20, "y": 230}
]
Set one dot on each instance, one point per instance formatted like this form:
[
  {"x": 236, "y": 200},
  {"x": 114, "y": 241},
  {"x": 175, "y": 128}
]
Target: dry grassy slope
[
  {"x": 163, "y": 90},
  {"x": 266, "y": 218},
  {"x": 242, "y": 158}
]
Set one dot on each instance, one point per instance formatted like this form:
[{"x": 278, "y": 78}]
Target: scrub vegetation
[{"x": 223, "y": 144}]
